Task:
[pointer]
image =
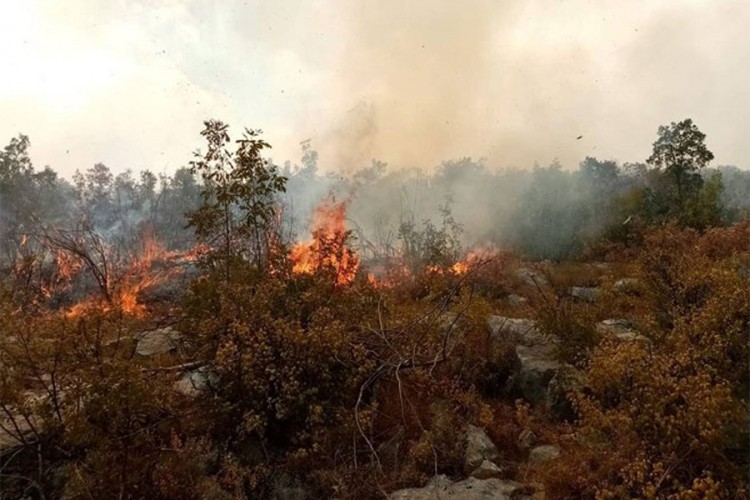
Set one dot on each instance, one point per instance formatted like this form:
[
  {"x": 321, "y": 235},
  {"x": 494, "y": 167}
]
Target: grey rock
[
  {"x": 536, "y": 355},
  {"x": 487, "y": 470},
  {"x": 620, "y": 329},
  {"x": 214, "y": 492},
  {"x": 290, "y": 493},
  {"x": 193, "y": 382},
  {"x": 737, "y": 437},
  {"x": 469, "y": 489},
  {"x": 479, "y": 448},
  {"x": 286, "y": 487},
  {"x": 566, "y": 380},
  {"x": 626, "y": 285},
  {"x": 518, "y": 330},
  {"x": 516, "y": 300},
  {"x": 527, "y": 439},
  {"x": 543, "y": 454},
  {"x": 539, "y": 365},
  {"x": 584, "y": 293},
  {"x": 15, "y": 434},
  {"x": 530, "y": 277},
  {"x": 160, "y": 341}
]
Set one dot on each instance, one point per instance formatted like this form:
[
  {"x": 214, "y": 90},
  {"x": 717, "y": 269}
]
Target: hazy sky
[{"x": 411, "y": 82}]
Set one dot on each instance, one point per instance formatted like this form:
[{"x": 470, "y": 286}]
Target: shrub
[{"x": 665, "y": 407}]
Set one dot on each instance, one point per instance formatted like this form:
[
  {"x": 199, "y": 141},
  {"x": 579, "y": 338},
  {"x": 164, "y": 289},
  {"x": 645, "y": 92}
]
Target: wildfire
[
  {"x": 327, "y": 248},
  {"x": 138, "y": 274},
  {"x": 471, "y": 260},
  {"x": 458, "y": 268}
]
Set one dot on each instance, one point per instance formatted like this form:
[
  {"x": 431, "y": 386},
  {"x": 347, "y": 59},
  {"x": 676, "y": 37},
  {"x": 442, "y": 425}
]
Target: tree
[
  {"x": 181, "y": 195},
  {"x": 94, "y": 189},
  {"x": 681, "y": 154},
  {"x": 239, "y": 196},
  {"x": 26, "y": 197}
]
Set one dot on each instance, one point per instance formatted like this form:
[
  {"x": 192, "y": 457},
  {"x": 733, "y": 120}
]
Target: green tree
[
  {"x": 431, "y": 245},
  {"x": 95, "y": 191},
  {"x": 27, "y": 197},
  {"x": 181, "y": 195},
  {"x": 240, "y": 190},
  {"x": 680, "y": 154}
]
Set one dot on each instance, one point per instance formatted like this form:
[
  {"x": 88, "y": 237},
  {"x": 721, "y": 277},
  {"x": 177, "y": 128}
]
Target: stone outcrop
[
  {"x": 469, "y": 489},
  {"x": 543, "y": 454},
  {"x": 527, "y": 439},
  {"x": 620, "y": 329},
  {"x": 193, "y": 382},
  {"x": 517, "y": 330},
  {"x": 516, "y": 300},
  {"x": 160, "y": 341},
  {"x": 626, "y": 285},
  {"x": 584, "y": 293},
  {"x": 487, "y": 470},
  {"x": 537, "y": 361},
  {"x": 564, "y": 381},
  {"x": 530, "y": 277},
  {"x": 479, "y": 448}
]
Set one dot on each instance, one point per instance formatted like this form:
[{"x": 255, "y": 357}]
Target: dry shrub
[
  {"x": 491, "y": 278},
  {"x": 658, "y": 413},
  {"x": 566, "y": 321}
]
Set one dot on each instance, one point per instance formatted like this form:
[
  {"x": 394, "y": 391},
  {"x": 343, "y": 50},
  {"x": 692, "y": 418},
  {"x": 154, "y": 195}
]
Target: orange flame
[
  {"x": 138, "y": 276},
  {"x": 327, "y": 248}
]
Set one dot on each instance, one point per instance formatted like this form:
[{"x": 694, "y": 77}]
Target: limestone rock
[
  {"x": 530, "y": 277},
  {"x": 626, "y": 285},
  {"x": 620, "y": 329},
  {"x": 286, "y": 487},
  {"x": 527, "y": 439},
  {"x": 160, "y": 341},
  {"x": 539, "y": 364},
  {"x": 584, "y": 293},
  {"x": 566, "y": 380},
  {"x": 191, "y": 383},
  {"x": 537, "y": 361},
  {"x": 479, "y": 448},
  {"x": 469, "y": 489},
  {"x": 516, "y": 300},
  {"x": 519, "y": 330},
  {"x": 543, "y": 454},
  {"x": 487, "y": 470}
]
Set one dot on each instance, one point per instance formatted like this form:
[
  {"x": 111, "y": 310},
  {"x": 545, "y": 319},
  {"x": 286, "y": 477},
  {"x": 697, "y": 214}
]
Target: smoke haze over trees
[{"x": 545, "y": 211}]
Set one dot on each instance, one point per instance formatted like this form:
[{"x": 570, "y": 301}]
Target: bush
[{"x": 666, "y": 406}]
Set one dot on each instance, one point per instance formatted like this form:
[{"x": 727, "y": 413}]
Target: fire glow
[
  {"x": 327, "y": 248},
  {"x": 140, "y": 274}
]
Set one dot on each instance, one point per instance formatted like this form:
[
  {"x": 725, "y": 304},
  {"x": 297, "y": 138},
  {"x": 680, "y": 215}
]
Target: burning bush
[{"x": 328, "y": 251}]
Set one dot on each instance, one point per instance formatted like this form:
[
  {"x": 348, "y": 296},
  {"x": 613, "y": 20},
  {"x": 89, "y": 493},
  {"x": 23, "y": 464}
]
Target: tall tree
[
  {"x": 239, "y": 194},
  {"x": 681, "y": 154}
]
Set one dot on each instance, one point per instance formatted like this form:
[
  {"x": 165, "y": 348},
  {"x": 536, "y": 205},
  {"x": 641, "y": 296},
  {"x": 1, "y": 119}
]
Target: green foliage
[
  {"x": 431, "y": 245},
  {"x": 550, "y": 219},
  {"x": 678, "y": 157},
  {"x": 239, "y": 196},
  {"x": 26, "y": 196}
]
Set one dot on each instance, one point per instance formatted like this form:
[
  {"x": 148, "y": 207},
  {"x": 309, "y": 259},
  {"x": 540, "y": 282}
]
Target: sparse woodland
[{"x": 241, "y": 329}]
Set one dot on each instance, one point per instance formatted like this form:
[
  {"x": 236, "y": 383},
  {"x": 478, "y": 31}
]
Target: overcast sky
[{"x": 410, "y": 82}]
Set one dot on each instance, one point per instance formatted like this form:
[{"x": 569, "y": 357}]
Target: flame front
[
  {"x": 138, "y": 275},
  {"x": 327, "y": 248}
]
